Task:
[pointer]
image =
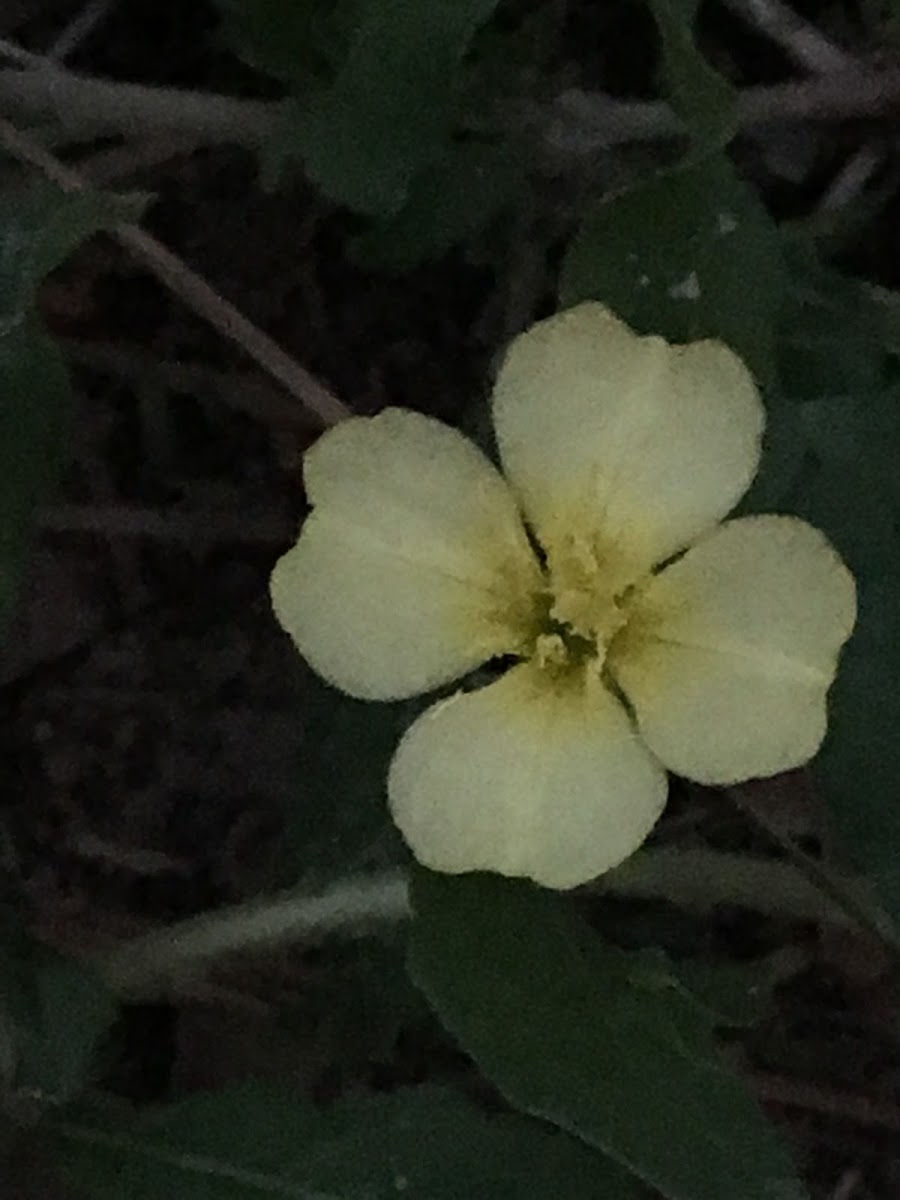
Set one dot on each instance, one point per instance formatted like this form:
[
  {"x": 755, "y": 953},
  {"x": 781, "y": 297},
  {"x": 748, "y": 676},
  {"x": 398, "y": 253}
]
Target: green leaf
[
  {"x": 448, "y": 202},
  {"x": 296, "y": 41},
  {"x": 56, "y": 1053},
  {"x": 701, "y": 96},
  {"x": 40, "y": 226},
  {"x": 730, "y": 994},
  {"x": 858, "y": 434},
  {"x": 255, "y": 1142},
  {"x": 785, "y": 448},
  {"x": 573, "y": 1031},
  {"x": 339, "y": 822},
  {"x": 690, "y": 253},
  {"x": 850, "y": 490},
  {"x": 724, "y": 994},
  {"x": 389, "y": 112},
  {"x": 848, "y": 486},
  {"x": 53, "y": 1011},
  {"x": 838, "y": 335},
  {"x": 34, "y": 422},
  {"x": 366, "y": 999},
  {"x": 859, "y": 768}
]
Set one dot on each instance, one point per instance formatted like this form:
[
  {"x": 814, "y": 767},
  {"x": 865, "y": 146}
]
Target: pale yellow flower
[{"x": 645, "y": 635}]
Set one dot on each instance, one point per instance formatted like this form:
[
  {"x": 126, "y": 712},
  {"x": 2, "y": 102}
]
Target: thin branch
[
  {"x": 851, "y": 179},
  {"x": 695, "y": 879},
  {"x": 193, "y": 289},
  {"x": 842, "y": 96},
  {"x": 80, "y": 28},
  {"x": 87, "y": 107},
  {"x": 807, "y": 46},
  {"x": 149, "y": 962},
  {"x": 699, "y": 879},
  {"x": 110, "y": 165},
  {"x": 582, "y": 122},
  {"x": 848, "y": 1185},
  {"x": 16, "y": 54},
  {"x": 845, "y": 894},
  {"x": 231, "y": 323},
  {"x": 576, "y": 121}
]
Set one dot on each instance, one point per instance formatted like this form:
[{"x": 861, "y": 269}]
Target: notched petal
[
  {"x": 639, "y": 443},
  {"x": 414, "y": 566},
  {"x": 731, "y": 650},
  {"x": 537, "y": 775}
]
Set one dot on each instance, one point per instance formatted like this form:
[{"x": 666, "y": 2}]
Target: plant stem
[
  {"x": 844, "y": 894},
  {"x": 695, "y": 878},
  {"x": 698, "y": 879},
  {"x": 192, "y": 288},
  {"x": 151, "y": 963},
  {"x": 87, "y": 107},
  {"x": 801, "y": 41},
  {"x": 576, "y": 121}
]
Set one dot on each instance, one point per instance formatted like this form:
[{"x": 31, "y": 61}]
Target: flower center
[{"x": 588, "y": 596}]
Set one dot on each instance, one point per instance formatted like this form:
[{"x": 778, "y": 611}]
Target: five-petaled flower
[{"x": 642, "y": 633}]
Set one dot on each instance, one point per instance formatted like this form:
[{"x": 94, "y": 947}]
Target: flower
[{"x": 646, "y": 635}]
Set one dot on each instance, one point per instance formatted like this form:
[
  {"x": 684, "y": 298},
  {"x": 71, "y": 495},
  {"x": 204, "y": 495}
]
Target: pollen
[{"x": 591, "y": 585}]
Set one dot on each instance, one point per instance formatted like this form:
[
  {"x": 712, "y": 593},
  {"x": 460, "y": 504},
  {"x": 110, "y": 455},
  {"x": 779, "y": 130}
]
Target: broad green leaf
[
  {"x": 573, "y": 1031},
  {"x": 339, "y": 821},
  {"x": 40, "y": 226},
  {"x": 849, "y": 485},
  {"x": 297, "y": 41},
  {"x": 724, "y": 994},
  {"x": 838, "y": 335},
  {"x": 34, "y": 421},
  {"x": 57, "y": 1053},
  {"x": 365, "y": 997},
  {"x": 256, "y": 1142},
  {"x": 19, "y": 994},
  {"x": 850, "y": 490},
  {"x": 448, "y": 202},
  {"x": 690, "y": 253},
  {"x": 510, "y": 60},
  {"x": 785, "y": 449},
  {"x": 700, "y": 95},
  {"x": 53, "y": 1011},
  {"x": 389, "y": 113},
  {"x": 859, "y": 434},
  {"x": 859, "y": 768}
]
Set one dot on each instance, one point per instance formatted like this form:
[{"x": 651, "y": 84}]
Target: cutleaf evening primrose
[{"x": 649, "y": 635}]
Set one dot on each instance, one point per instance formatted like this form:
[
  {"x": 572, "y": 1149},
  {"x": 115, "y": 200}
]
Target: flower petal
[
  {"x": 414, "y": 566},
  {"x": 730, "y": 651},
  {"x": 526, "y": 778},
  {"x": 646, "y": 444}
]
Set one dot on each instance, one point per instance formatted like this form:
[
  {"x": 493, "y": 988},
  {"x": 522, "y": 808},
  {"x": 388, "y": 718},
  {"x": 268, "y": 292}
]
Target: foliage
[
  {"x": 700, "y": 95},
  {"x": 53, "y": 1012},
  {"x": 301, "y": 42},
  {"x": 339, "y": 822},
  {"x": 426, "y": 124},
  {"x": 688, "y": 253},
  {"x": 256, "y": 1141},
  {"x": 389, "y": 110},
  {"x": 609, "y": 1047},
  {"x": 849, "y": 486},
  {"x": 40, "y": 226}
]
